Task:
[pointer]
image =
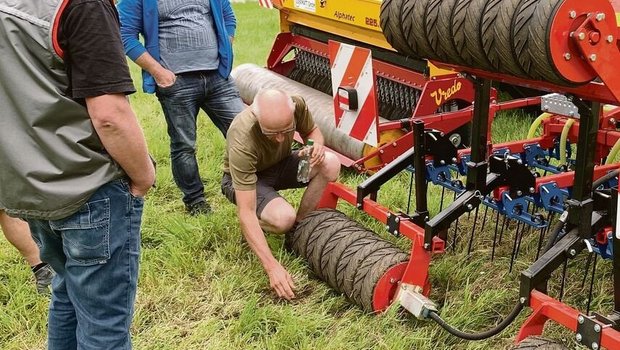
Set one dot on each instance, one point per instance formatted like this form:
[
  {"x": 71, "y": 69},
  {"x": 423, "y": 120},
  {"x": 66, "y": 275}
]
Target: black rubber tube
[
  {"x": 478, "y": 336},
  {"x": 610, "y": 175},
  {"x": 554, "y": 235}
]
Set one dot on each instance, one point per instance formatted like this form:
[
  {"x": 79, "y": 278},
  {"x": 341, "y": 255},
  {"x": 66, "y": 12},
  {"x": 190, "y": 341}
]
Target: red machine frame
[
  {"x": 601, "y": 56},
  {"x": 426, "y": 107}
]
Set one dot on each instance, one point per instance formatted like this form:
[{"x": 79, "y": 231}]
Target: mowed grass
[{"x": 200, "y": 287}]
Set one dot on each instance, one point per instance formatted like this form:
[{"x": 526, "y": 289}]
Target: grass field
[{"x": 200, "y": 288}]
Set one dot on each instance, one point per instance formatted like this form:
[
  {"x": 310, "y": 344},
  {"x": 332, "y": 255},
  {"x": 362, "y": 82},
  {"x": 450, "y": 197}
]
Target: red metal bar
[
  {"x": 593, "y": 91},
  {"x": 566, "y": 179},
  {"x": 335, "y": 191},
  {"x": 546, "y": 308}
]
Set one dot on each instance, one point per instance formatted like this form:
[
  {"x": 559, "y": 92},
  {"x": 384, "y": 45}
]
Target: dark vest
[{"x": 51, "y": 159}]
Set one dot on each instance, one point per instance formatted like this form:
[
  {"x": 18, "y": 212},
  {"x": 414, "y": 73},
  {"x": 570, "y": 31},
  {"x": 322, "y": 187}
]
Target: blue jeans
[
  {"x": 181, "y": 102},
  {"x": 95, "y": 254}
]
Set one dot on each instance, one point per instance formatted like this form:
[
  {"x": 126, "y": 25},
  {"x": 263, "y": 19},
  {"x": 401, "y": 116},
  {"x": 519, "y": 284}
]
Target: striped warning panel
[
  {"x": 351, "y": 69},
  {"x": 265, "y": 3}
]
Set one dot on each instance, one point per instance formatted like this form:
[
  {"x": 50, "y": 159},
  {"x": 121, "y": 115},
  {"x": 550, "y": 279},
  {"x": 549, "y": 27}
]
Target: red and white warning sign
[
  {"x": 265, "y": 3},
  {"x": 353, "y": 86}
]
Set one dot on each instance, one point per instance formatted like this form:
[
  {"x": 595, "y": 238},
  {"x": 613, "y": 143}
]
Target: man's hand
[
  {"x": 165, "y": 78},
  {"x": 318, "y": 154},
  {"x": 280, "y": 281},
  {"x": 138, "y": 189}
]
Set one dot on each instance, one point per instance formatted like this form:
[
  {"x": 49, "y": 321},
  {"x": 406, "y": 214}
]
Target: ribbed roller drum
[
  {"x": 439, "y": 28},
  {"x": 496, "y": 29},
  {"x": 403, "y": 20},
  {"x": 524, "y": 38},
  {"x": 393, "y": 26},
  {"x": 466, "y": 22},
  {"x": 250, "y": 78},
  {"x": 349, "y": 257}
]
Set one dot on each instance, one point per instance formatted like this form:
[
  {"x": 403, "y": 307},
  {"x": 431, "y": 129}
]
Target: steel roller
[{"x": 251, "y": 78}]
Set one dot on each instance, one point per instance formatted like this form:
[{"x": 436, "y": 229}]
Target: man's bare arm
[
  {"x": 279, "y": 279},
  {"x": 121, "y": 135}
]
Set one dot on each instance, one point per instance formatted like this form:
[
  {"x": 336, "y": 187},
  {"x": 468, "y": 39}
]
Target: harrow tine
[
  {"x": 524, "y": 231},
  {"x": 495, "y": 236},
  {"x": 585, "y": 276},
  {"x": 563, "y": 280},
  {"x": 473, "y": 229},
  {"x": 410, "y": 191},
  {"x": 456, "y": 229},
  {"x": 541, "y": 237},
  {"x": 484, "y": 219},
  {"x": 501, "y": 233},
  {"x": 591, "y": 284},
  {"x": 513, "y": 256},
  {"x": 543, "y": 233},
  {"x": 443, "y": 192}
]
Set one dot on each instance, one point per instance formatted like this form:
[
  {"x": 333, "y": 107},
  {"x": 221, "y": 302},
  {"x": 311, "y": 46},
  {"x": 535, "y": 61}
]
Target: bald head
[{"x": 274, "y": 109}]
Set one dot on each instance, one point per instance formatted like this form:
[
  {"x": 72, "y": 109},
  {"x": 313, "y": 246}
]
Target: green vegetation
[{"x": 200, "y": 287}]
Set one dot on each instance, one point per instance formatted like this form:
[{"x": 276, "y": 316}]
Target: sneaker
[
  {"x": 43, "y": 279},
  {"x": 198, "y": 208}
]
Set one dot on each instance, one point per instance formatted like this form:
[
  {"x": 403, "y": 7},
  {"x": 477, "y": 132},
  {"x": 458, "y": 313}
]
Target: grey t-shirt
[{"x": 187, "y": 37}]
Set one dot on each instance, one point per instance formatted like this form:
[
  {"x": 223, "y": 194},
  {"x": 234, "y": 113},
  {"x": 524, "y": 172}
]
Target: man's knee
[
  {"x": 281, "y": 218},
  {"x": 331, "y": 167}
]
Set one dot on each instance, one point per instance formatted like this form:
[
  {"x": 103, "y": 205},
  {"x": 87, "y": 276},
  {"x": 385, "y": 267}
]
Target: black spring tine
[
  {"x": 544, "y": 232},
  {"x": 513, "y": 256},
  {"x": 541, "y": 237},
  {"x": 484, "y": 219},
  {"x": 410, "y": 191},
  {"x": 443, "y": 192},
  {"x": 591, "y": 284},
  {"x": 456, "y": 229},
  {"x": 587, "y": 269},
  {"x": 473, "y": 229},
  {"x": 524, "y": 231},
  {"x": 495, "y": 236},
  {"x": 563, "y": 280},
  {"x": 501, "y": 233}
]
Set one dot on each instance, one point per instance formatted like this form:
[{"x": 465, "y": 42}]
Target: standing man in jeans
[
  {"x": 186, "y": 60},
  {"x": 74, "y": 161}
]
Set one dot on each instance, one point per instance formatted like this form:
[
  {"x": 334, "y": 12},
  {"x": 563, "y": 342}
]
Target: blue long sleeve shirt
[{"x": 140, "y": 17}]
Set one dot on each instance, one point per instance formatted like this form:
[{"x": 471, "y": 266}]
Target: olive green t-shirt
[{"x": 248, "y": 151}]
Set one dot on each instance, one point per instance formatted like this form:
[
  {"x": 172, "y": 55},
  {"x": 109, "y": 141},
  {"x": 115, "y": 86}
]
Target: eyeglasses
[{"x": 279, "y": 132}]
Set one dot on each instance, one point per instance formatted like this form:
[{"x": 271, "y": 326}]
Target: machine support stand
[
  {"x": 419, "y": 164},
  {"x": 581, "y": 204},
  {"x": 477, "y": 166},
  {"x": 477, "y": 181}
]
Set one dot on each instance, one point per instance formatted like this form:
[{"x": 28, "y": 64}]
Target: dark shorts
[{"x": 281, "y": 176}]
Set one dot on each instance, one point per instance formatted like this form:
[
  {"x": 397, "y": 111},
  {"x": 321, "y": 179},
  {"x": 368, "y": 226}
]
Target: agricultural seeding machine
[{"x": 405, "y": 85}]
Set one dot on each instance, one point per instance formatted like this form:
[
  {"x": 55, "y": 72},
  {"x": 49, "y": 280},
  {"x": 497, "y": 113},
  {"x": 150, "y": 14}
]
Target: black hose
[
  {"x": 610, "y": 175},
  {"x": 478, "y": 336}
]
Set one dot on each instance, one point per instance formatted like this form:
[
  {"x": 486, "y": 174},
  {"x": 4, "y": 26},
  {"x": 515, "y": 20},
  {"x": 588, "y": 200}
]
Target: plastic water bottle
[{"x": 303, "y": 169}]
